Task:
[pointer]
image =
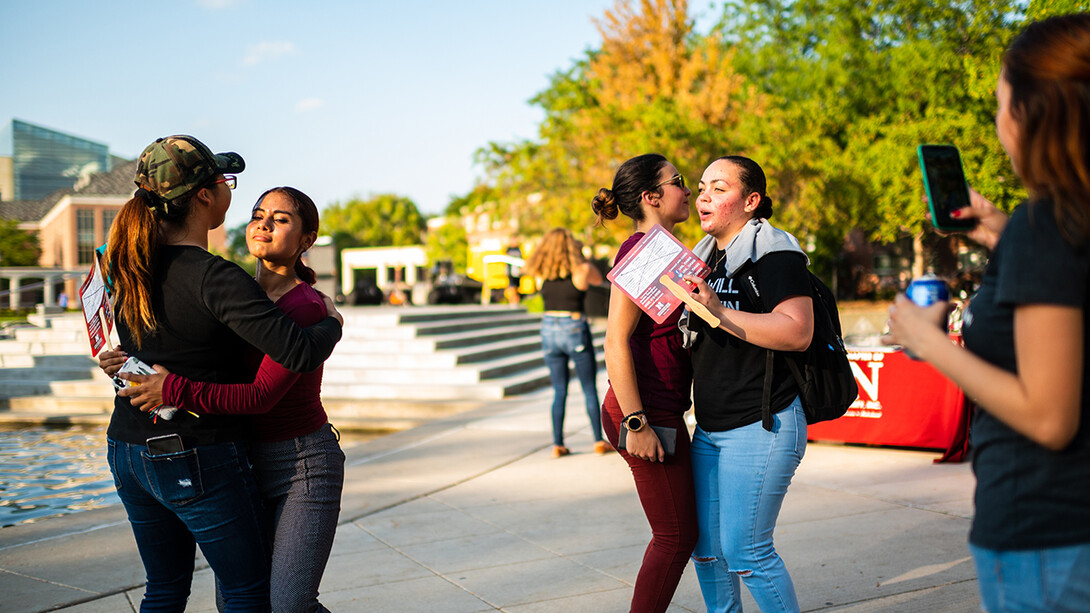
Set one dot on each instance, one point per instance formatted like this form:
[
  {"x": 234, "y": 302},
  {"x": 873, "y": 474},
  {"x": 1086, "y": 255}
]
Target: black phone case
[
  {"x": 945, "y": 184},
  {"x": 163, "y": 445},
  {"x": 667, "y": 437}
]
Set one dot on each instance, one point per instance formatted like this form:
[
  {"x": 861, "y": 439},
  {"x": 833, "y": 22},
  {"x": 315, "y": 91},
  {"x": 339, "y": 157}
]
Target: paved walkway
[{"x": 469, "y": 513}]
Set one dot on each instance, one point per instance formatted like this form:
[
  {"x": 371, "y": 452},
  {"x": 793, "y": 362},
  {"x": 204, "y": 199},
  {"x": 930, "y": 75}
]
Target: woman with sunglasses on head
[
  {"x": 564, "y": 275},
  {"x": 1026, "y": 334},
  {"x": 296, "y": 458},
  {"x": 751, "y": 429},
  {"x": 649, "y": 384},
  {"x": 186, "y": 481}
]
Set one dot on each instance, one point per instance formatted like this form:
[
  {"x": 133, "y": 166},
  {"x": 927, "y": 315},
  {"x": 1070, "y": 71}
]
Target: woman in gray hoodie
[{"x": 743, "y": 461}]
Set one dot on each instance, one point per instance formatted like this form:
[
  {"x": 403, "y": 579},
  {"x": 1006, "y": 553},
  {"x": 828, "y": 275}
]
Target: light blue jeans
[
  {"x": 565, "y": 340},
  {"x": 1055, "y": 580},
  {"x": 740, "y": 479}
]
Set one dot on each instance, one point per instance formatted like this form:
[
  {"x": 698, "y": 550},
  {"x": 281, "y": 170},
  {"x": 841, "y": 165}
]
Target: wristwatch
[{"x": 635, "y": 421}]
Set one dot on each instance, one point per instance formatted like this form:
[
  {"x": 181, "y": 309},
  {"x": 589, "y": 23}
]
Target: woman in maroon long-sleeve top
[
  {"x": 296, "y": 458},
  {"x": 650, "y": 378}
]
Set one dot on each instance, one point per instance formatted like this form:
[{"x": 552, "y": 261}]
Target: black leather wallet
[{"x": 667, "y": 437}]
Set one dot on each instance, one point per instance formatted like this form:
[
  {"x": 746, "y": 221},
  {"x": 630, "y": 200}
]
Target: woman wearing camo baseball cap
[{"x": 186, "y": 480}]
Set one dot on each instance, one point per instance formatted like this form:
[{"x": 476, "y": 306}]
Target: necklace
[{"x": 717, "y": 258}]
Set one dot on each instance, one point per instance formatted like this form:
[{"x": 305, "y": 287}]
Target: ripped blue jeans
[
  {"x": 740, "y": 478},
  {"x": 565, "y": 340},
  {"x": 203, "y": 496}
]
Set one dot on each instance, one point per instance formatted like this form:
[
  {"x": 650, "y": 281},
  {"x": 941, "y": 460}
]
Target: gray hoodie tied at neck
[{"x": 757, "y": 239}]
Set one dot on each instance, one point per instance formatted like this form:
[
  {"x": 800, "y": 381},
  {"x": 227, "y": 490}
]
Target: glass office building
[{"x": 44, "y": 160}]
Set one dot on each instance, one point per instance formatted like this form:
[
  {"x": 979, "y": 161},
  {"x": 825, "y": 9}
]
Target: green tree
[
  {"x": 385, "y": 220},
  {"x": 481, "y": 195},
  {"x": 1039, "y": 9},
  {"x": 855, "y": 90},
  {"x": 448, "y": 242},
  {"x": 654, "y": 85},
  {"x": 236, "y": 250},
  {"x": 17, "y": 247}
]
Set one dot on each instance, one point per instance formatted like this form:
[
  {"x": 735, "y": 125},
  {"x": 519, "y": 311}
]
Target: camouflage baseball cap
[{"x": 174, "y": 166}]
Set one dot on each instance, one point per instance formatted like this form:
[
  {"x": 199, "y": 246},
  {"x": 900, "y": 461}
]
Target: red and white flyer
[
  {"x": 96, "y": 307},
  {"x": 651, "y": 273}
]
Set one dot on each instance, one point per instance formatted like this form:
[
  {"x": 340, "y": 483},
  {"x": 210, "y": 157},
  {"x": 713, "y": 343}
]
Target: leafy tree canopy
[
  {"x": 831, "y": 97},
  {"x": 448, "y": 242},
  {"x": 653, "y": 86},
  {"x": 385, "y": 220},
  {"x": 17, "y": 247}
]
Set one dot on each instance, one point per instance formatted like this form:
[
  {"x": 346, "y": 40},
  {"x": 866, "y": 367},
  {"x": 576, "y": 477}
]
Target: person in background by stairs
[
  {"x": 295, "y": 453},
  {"x": 563, "y": 275},
  {"x": 186, "y": 480},
  {"x": 650, "y": 376}
]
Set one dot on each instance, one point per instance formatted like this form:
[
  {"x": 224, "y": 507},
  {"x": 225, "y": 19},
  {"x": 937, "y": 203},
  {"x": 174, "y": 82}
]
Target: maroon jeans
[{"x": 666, "y": 493}]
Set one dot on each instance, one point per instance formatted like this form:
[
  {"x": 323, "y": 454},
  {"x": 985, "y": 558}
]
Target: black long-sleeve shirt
[{"x": 208, "y": 311}]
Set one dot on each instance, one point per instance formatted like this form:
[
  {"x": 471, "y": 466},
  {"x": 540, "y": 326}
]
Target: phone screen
[{"x": 947, "y": 190}]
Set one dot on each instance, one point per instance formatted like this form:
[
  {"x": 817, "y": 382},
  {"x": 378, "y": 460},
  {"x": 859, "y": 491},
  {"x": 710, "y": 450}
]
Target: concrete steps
[{"x": 395, "y": 366}]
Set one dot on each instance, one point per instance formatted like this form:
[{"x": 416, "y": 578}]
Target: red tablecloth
[{"x": 902, "y": 402}]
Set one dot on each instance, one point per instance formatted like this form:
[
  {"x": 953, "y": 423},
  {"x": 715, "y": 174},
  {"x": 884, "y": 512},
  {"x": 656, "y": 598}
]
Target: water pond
[{"x": 47, "y": 471}]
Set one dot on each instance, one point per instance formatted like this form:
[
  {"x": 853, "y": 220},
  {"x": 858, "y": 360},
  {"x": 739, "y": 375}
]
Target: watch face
[{"x": 634, "y": 423}]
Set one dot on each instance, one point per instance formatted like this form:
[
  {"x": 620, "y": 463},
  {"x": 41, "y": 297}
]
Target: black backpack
[{"x": 824, "y": 376}]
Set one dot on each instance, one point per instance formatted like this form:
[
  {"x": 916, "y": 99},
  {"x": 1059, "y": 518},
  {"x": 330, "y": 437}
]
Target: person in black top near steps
[
  {"x": 564, "y": 275},
  {"x": 186, "y": 480}
]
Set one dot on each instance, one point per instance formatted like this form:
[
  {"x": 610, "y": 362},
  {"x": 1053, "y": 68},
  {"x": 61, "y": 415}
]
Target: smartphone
[
  {"x": 165, "y": 444},
  {"x": 947, "y": 190}
]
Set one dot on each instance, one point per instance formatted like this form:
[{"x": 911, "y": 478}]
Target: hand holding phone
[{"x": 947, "y": 190}]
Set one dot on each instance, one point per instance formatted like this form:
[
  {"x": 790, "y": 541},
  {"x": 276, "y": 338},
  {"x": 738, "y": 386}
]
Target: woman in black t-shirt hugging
[
  {"x": 1025, "y": 332},
  {"x": 186, "y": 480},
  {"x": 743, "y": 460}
]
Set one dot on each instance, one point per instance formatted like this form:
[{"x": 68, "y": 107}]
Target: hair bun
[
  {"x": 604, "y": 205},
  {"x": 764, "y": 210}
]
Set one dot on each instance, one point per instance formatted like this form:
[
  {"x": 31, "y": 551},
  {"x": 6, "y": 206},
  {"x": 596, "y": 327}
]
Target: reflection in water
[{"x": 47, "y": 471}]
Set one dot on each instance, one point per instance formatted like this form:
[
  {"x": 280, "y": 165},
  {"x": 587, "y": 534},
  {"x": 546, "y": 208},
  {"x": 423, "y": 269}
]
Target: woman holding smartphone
[
  {"x": 650, "y": 378},
  {"x": 296, "y": 458},
  {"x": 180, "y": 306},
  {"x": 1026, "y": 334}
]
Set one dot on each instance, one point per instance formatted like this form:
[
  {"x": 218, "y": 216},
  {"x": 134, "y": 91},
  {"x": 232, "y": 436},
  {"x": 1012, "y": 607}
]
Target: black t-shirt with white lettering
[
  {"x": 1028, "y": 497},
  {"x": 728, "y": 372}
]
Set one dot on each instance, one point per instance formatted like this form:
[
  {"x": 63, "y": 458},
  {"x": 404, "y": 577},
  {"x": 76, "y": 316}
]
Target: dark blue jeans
[
  {"x": 301, "y": 481},
  {"x": 203, "y": 496},
  {"x": 564, "y": 339}
]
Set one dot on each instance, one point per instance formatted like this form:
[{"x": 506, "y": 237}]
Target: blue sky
[{"x": 338, "y": 98}]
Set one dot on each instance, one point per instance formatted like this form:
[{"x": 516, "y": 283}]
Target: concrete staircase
[{"x": 394, "y": 367}]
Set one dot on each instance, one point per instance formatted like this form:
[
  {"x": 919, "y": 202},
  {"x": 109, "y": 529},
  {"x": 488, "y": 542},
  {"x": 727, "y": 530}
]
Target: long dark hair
[
  {"x": 308, "y": 215},
  {"x": 1048, "y": 69},
  {"x": 633, "y": 178},
  {"x": 132, "y": 249}
]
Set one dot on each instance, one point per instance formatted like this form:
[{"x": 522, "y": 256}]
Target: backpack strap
[{"x": 749, "y": 284}]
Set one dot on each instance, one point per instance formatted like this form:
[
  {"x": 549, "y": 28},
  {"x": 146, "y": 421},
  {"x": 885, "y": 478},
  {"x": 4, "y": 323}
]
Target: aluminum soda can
[{"x": 926, "y": 291}]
